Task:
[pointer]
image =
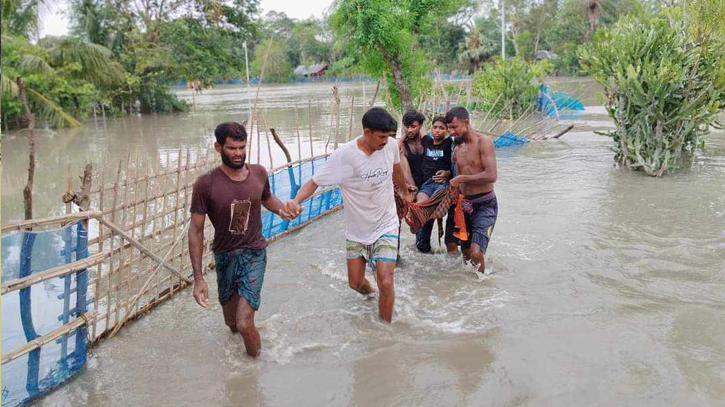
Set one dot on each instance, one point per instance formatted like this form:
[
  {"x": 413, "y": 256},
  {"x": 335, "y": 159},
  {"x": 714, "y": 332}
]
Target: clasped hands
[{"x": 290, "y": 210}]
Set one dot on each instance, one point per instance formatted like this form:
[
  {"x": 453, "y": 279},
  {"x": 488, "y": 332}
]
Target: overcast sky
[{"x": 54, "y": 22}]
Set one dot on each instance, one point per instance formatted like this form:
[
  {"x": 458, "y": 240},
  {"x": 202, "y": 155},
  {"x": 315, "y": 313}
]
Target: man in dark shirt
[
  {"x": 436, "y": 166},
  {"x": 232, "y": 195},
  {"x": 436, "y": 170},
  {"x": 412, "y": 150}
]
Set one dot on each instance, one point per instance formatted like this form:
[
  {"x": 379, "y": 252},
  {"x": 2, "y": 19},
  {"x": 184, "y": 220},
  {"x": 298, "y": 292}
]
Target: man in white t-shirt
[{"x": 365, "y": 169}]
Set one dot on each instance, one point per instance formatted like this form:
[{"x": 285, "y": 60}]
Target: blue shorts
[
  {"x": 481, "y": 221},
  {"x": 241, "y": 271},
  {"x": 430, "y": 187}
]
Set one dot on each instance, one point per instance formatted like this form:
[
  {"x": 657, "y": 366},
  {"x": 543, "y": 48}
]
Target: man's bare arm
[
  {"x": 306, "y": 191},
  {"x": 196, "y": 244},
  {"x": 399, "y": 180},
  {"x": 405, "y": 165},
  {"x": 274, "y": 205},
  {"x": 488, "y": 160}
]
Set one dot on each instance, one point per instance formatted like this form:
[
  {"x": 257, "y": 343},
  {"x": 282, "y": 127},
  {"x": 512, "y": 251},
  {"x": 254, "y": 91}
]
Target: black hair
[
  {"x": 412, "y": 116},
  {"x": 232, "y": 130},
  {"x": 378, "y": 119},
  {"x": 439, "y": 119},
  {"x": 458, "y": 112}
]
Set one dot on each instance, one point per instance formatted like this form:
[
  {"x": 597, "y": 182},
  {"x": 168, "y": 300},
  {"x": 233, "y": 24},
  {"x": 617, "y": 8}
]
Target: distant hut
[{"x": 317, "y": 70}]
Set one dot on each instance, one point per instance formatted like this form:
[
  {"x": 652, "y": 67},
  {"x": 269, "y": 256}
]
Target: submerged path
[{"x": 607, "y": 288}]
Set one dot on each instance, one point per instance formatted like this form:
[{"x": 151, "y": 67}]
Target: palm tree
[
  {"x": 96, "y": 65},
  {"x": 476, "y": 49}
]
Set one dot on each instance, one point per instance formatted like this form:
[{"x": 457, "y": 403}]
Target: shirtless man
[{"x": 476, "y": 163}]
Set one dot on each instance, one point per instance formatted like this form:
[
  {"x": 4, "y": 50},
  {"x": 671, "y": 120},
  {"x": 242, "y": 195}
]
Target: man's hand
[
  {"x": 408, "y": 197},
  {"x": 292, "y": 208},
  {"x": 457, "y": 181},
  {"x": 201, "y": 293},
  {"x": 441, "y": 176},
  {"x": 411, "y": 188}
]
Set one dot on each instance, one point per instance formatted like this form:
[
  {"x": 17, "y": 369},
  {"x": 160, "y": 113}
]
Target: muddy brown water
[{"x": 607, "y": 288}]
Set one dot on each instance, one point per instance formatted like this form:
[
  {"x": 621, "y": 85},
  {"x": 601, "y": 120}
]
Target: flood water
[{"x": 607, "y": 288}]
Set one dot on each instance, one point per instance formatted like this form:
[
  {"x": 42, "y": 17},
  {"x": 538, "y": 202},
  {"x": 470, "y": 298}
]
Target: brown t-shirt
[{"x": 234, "y": 207}]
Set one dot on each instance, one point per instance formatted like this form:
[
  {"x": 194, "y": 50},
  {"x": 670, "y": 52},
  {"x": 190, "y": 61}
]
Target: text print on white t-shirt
[{"x": 376, "y": 176}]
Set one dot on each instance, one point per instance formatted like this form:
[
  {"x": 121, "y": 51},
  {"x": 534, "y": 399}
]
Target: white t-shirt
[{"x": 366, "y": 184}]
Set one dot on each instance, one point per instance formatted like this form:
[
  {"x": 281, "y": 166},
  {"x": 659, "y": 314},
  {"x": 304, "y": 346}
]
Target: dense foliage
[{"x": 664, "y": 87}]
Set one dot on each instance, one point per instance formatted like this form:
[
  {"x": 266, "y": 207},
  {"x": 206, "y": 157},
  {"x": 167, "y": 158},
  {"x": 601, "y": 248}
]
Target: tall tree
[
  {"x": 93, "y": 60},
  {"x": 383, "y": 35}
]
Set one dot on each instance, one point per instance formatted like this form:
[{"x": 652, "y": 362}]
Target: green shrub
[
  {"x": 664, "y": 91},
  {"x": 507, "y": 88}
]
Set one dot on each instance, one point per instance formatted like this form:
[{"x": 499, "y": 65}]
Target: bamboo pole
[
  {"x": 285, "y": 166},
  {"x": 153, "y": 177},
  {"x": 142, "y": 248},
  {"x": 184, "y": 212},
  {"x": 269, "y": 144},
  {"x": 163, "y": 221},
  {"x": 561, "y": 133},
  {"x": 54, "y": 272},
  {"x": 259, "y": 143},
  {"x": 47, "y": 338},
  {"x": 144, "y": 218},
  {"x": 281, "y": 145},
  {"x": 299, "y": 137},
  {"x": 119, "y": 277},
  {"x": 349, "y": 130},
  {"x": 133, "y": 229},
  {"x": 176, "y": 213},
  {"x": 99, "y": 270},
  {"x": 375, "y": 95},
  {"x": 250, "y": 140},
  {"x": 110, "y": 264},
  {"x": 152, "y": 241},
  {"x": 68, "y": 196},
  {"x": 490, "y": 110},
  {"x": 337, "y": 115},
  {"x": 135, "y": 298},
  {"x": 519, "y": 118},
  {"x": 309, "y": 119},
  {"x": 256, "y": 97},
  {"x": 61, "y": 220}
]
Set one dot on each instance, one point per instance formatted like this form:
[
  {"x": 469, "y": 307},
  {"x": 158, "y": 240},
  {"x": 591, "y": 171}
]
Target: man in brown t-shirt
[{"x": 232, "y": 195}]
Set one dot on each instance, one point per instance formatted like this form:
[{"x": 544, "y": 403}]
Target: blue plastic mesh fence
[
  {"x": 558, "y": 104},
  {"x": 284, "y": 184},
  {"x": 41, "y": 308},
  {"x": 37, "y": 310},
  {"x": 509, "y": 139}
]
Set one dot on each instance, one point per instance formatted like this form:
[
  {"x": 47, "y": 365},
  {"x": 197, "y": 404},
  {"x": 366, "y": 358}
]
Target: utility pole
[
  {"x": 246, "y": 60},
  {"x": 503, "y": 31}
]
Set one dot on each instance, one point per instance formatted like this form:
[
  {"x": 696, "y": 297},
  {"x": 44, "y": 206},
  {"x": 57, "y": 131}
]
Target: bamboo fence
[{"x": 137, "y": 214}]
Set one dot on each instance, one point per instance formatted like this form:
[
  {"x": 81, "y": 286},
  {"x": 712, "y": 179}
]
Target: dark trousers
[{"x": 422, "y": 238}]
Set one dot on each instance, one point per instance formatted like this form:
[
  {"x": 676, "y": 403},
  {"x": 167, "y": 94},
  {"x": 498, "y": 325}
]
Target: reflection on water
[{"x": 607, "y": 289}]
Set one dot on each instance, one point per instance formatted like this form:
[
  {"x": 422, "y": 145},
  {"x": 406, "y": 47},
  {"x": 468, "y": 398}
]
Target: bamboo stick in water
[
  {"x": 110, "y": 263},
  {"x": 299, "y": 137},
  {"x": 350, "y": 116},
  {"x": 309, "y": 119}
]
